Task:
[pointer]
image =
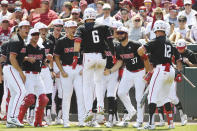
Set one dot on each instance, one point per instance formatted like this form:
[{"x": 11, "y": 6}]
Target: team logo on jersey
[
  {"x": 23, "y": 50},
  {"x": 36, "y": 56},
  {"x": 47, "y": 51},
  {"x": 127, "y": 56},
  {"x": 67, "y": 50},
  {"x": 108, "y": 53}
]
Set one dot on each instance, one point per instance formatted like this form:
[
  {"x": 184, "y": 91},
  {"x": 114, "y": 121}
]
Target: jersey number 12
[
  {"x": 95, "y": 36},
  {"x": 167, "y": 51}
]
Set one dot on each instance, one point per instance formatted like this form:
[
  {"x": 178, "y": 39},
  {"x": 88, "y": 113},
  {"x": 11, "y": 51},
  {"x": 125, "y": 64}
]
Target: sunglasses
[
  {"x": 182, "y": 21},
  {"x": 120, "y": 33},
  {"x": 157, "y": 13},
  {"x": 35, "y": 34},
  {"x": 5, "y": 21},
  {"x": 141, "y": 11},
  {"x": 75, "y": 14},
  {"x": 175, "y": 11},
  {"x": 45, "y": 2},
  {"x": 187, "y": 5},
  {"x": 4, "y": 5},
  {"x": 147, "y": 3},
  {"x": 58, "y": 25},
  {"x": 137, "y": 20}
]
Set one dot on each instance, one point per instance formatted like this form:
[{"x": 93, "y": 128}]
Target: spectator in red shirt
[
  {"x": 43, "y": 14},
  {"x": 4, "y": 30},
  {"x": 30, "y": 4},
  {"x": 156, "y": 3}
]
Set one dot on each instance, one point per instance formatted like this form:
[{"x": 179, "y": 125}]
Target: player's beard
[{"x": 121, "y": 40}]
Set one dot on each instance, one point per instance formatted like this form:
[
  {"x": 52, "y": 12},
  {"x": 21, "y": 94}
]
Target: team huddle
[{"x": 95, "y": 60}]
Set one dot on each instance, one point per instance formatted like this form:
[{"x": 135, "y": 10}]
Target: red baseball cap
[
  {"x": 142, "y": 8},
  {"x": 173, "y": 7},
  {"x": 127, "y": 2},
  {"x": 83, "y": 2}
]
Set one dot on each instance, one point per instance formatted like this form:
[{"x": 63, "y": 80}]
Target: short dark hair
[
  {"x": 182, "y": 17},
  {"x": 124, "y": 9}
]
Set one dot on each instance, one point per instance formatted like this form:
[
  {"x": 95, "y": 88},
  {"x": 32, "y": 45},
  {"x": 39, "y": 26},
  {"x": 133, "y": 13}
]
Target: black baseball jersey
[
  {"x": 190, "y": 55},
  {"x": 130, "y": 56},
  {"x": 53, "y": 39},
  {"x": 65, "y": 49},
  {"x": 16, "y": 46},
  {"x": 48, "y": 46},
  {"x": 4, "y": 51},
  {"x": 94, "y": 37},
  {"x": 160, "y": 49},
  {"x": 109, "y": 55},
  {"x": 39, "y": 54}
]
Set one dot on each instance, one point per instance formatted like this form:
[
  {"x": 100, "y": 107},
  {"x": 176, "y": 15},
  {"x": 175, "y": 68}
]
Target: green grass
[{"x": 189, "y": 127}]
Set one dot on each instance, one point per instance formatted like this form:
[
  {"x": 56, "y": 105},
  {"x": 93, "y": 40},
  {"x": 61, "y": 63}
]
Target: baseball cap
[
  {"x": 18, "y": 9},
  {"x": 70, "y": 23},
  {"x": 18, "y": 3},
  {"x": 4, "y": 2},
  {"x": 182, "y": 17},
  {"x": 106, "y": 6},
  {"x": 116, "y": 24},
  {"x": 44, "y": 0},
  {"x": 24, "y": 23},
  {"x": 181, "y": 44},
  {"x": 75, "y": 10},
  {"x": 187, "y": 2},
  {"x": 166, "y": 1},
  {"x": 147, "y": 1},
  {"x": 40, "y": 25},
  {"x": 4, "y": 18},
  {"x": 82, "y": 3},
  {"x": 122, "y": 29},
  {"x": 58, "y": 22},
  {"x": 33, "y": 31},
  {"x": 127, "y": 2},
  {"x": 142, "y": 8},
  {"x": 173, "y": 7}
]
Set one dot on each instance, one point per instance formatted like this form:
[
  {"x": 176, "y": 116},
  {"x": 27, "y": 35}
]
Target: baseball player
[
  {"x": 161, "y": 52},
  {"x": 93, "y": 39},
  {"x": 35, "y": 57},
  {"x": 188, "y": 59},
  {"x": 70, "y": 77},
  {"x": 13, "y": 72},
  {"x": 47, "y": 73},
  {"x": 111, "y": 81},
  {"x": 126, "y": 53}
]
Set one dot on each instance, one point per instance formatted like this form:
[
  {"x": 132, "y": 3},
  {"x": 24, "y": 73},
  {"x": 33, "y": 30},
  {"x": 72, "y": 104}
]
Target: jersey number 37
[
  {"x": 167, "y": 51},
  {"x": 95, "y": 36}
]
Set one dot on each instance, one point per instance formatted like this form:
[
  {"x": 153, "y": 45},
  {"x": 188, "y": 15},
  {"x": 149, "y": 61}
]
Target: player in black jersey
[
  {"x": 126, "y": 53},
  {"x": 70, "y": 77},
  {"x": 46, "y": 73},
  {"x": 15, "y": 55},
  {"x": 35, "y": 57},
  {"x": 92, "y": 39},
  {"x": 187, "y": 56},
  {"x": 161, "y": 52}
]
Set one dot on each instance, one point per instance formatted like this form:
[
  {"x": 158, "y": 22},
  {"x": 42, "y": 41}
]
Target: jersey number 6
[{"x": 95, "y": 36}]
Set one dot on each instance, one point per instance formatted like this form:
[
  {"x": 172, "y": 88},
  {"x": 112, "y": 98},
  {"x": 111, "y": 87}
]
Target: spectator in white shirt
[
  {"x": 193, "y": 33},
  {"x": 4, "y": 9},
  {"x": 136, "y": 30},
  {"x": 144, "y": 14},
  {"x": 189, "y": 13},
  {"x": 172, "y": 18},
  {"x": 106, "y": 19},
  {"x": 125, "y": 17},
  {"x": 99, "y": 9}
]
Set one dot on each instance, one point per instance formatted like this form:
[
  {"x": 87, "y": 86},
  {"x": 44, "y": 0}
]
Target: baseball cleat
[
  {"x": 10, "y": 125},
  {"x": 137, "y": 125},
  {"x": 171, "y": 126},
  {"x": 14, "y": 121},
  {"x": 109, "y": 124},
  {"x": 49, "y": 120},
  {"x": 95, "y": 124},
  {"x": 100, "y": 118},
  {"x": 81, "y": 124},
  {"x": 149, "y": 127},
  {"x": 161, "y": 123},
  {"x": 58, "y": 121},
  {"x": 89, "y": 116},
  {"x": 123, "y": 124},
  {"x": 183, "y": 119},
  {"x": 66, "y": 125},
  {"x": 129, "y": 116},
  {"x": 30, "y": 120}
]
